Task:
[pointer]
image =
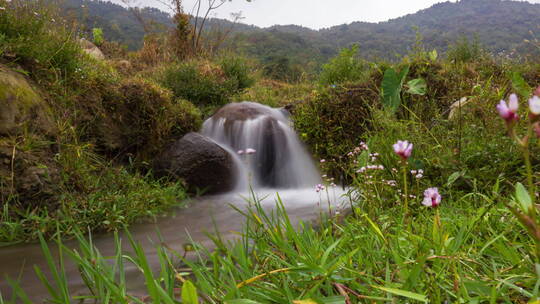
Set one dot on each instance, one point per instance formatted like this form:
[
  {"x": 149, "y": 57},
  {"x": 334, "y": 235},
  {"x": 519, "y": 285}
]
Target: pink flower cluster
[
  {"x": 370, "y": 167},
  {"x": 357, "y": 150},
  {"x": 534, "y": 105},
  {"x": 374, "y": 156},
  {"x": 418, "y": 173},
  {"x": 509, "y": 111},
  {"x": 319, "y": 188},
  {"x": 391, "y": 183}
]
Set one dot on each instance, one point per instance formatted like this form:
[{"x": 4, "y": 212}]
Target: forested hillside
[
  {"x": 118, "y": 23},
  {"x": 500, "y": 26}
]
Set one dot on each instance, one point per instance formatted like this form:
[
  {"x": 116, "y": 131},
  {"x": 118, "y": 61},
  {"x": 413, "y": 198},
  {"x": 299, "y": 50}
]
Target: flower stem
[
  {"x": 405, "y": 189},
  {"x": 528, "y": 166},
  {"x": 524, "y": 143}
]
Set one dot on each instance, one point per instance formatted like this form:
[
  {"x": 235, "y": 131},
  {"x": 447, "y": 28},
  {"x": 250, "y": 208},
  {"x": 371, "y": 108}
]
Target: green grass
[
  {"x": 92, "y": 194},
  {"x": 478, "y": 254}
]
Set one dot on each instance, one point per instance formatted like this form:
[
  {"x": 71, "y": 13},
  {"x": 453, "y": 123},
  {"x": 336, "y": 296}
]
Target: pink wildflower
[
  {"x": 432, "y": 198},
  {"x": 534, "y": 105},
  {"x": 403, "y": 149},
  {"x": 508, "y": 112}
]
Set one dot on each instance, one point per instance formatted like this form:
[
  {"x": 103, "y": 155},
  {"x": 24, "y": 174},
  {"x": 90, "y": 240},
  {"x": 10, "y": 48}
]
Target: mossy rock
[
  {"x": 143, "y": 119},
  {"x": 21, "y": 107}
]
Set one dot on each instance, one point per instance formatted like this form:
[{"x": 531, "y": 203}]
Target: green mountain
[{"x": 500, "y": 26}]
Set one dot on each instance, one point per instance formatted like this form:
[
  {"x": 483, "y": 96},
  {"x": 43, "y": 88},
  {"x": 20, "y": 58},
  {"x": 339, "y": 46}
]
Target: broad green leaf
[
  {"x": 390, "y": 90},
  {"x": 478, "y": 287},
  {"x": 189, "y": 293},
  {"x": 523, "y": 197},
  {"x": 363, "y": 159},
  {"x": 402, "y": 75},
  {"x": 520, "y": 85},
  {"x": 391, "y": 86},
  {"x": 417, "y": 86},
  {"x": 403, "y": 293}
]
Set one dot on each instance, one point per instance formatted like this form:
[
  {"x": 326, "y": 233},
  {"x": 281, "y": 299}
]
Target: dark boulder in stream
[{"x": 200, "y": 162}]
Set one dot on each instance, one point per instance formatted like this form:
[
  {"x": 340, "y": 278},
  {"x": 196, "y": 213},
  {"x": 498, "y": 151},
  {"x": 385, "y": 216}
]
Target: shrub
[
  {"x": 188, "y": 117},
  {"x": 236, "y": 69},
  {"x": 144, "y": 118},
  {"x": 333, "y": 121},
  {"x": 281, "y": 68},
  {"x": 97, "y": 34},
  {"x": 345, "y": 67},
  {"x": 202, "y": 83}
]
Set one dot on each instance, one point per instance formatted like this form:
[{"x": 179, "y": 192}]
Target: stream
[{"x": 193, "y": 222}]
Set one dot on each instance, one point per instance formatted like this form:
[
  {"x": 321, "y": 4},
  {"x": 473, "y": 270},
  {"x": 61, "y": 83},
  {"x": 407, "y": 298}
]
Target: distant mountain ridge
[{"x": 501, "y": 26}]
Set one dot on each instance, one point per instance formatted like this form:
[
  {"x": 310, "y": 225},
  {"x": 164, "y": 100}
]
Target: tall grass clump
[
  {"x": 36, "y": 37},
  {"x": 464, "y": 50},
  {"x": 104, "y": 276},
  {"x": 91, "y": 194}
]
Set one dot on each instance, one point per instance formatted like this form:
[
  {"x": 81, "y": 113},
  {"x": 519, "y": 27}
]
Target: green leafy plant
[
  {"x": 392, "y": 86},
  {"x": 345, "y": 67},
  {"x": 97, "y": 34},
  {"x": 207, "y": 84}
]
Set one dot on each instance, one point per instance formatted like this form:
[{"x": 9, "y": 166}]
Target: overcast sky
[{"x": 314, "y": 14}]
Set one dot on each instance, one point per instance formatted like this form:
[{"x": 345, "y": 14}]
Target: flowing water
[
  {"x": 280, "y": 159},
  {"x": 280, "y": 165}
]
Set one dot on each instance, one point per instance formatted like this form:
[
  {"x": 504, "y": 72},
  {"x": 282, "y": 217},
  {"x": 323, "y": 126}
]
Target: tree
[{"x": 193, "y": 30}]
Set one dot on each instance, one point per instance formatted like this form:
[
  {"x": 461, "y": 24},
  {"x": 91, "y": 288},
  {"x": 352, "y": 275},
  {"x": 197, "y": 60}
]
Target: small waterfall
[{"x": 280, "y": 161}]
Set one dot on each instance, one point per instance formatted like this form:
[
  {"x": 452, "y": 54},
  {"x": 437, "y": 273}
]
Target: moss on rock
[
  {"x": 21, "y": 107},
  {"x": 27, "y": 169}
]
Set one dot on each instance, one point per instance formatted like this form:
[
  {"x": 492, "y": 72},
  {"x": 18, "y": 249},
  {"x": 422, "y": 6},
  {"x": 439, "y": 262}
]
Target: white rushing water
[{"x": 280, "y": 161}]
